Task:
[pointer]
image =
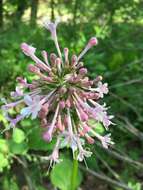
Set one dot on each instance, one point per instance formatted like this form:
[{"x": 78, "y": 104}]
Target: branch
[
  {"x": 122, "y": 157},
  {"x": 106, "y": 178},
  {"x": 125, "y": 103}
]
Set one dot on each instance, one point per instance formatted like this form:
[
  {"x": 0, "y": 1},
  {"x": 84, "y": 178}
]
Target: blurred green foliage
[{"x": 118, "y": 24}]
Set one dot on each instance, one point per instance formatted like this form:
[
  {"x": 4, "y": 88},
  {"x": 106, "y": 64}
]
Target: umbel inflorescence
[{"x": 63, "y": 91}]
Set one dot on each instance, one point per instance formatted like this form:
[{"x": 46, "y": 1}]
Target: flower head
[{"x": 63, "y": 91}]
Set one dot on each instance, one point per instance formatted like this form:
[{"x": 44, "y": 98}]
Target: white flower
[
  {"x": 106, "y": 141},
  {"x": 33, "y": 108},
  {"x": 51, "y": 26},
  {"x": 102, "y": 89},
  {"x": 18, "y": 92},
  {"x": 82, "y": 154}
]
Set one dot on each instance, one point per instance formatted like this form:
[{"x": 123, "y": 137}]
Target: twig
[
  {"x": 108, "y": 167},
  {"x": 23, "y": 162},
  {"x": 105, "y": 178},
  {"x": 19, "y": 160},
  {"x": 127, "y": 83},
  {"x": 125, "y": 103},
  {"x": 131, "y": 128},
  {"x": 31, "y": 185},
  {"x": 122, "y": 157}
]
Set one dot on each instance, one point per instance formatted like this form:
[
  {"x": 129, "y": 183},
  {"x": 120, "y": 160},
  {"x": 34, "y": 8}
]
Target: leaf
[
  {"x": 18, "y": 148},
  {"x": 61, "y": 175},
  {"x": 37, "y": 143},
  {"x": 97, "y": 125},
  {"x": 3, "y": 161},
  {"x": 3, "y": 146},
  {"x": 10, "y": 184},
  {"x": 18, "y": 135}
]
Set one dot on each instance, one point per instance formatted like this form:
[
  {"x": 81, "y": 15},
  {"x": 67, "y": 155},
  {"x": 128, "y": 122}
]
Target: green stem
[{"x": 74, "y": 174}]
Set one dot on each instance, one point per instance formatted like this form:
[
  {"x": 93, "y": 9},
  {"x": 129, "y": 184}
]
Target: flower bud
[
  {"x": 74, "y": 60},
  {"x": 47, "y": 136},
  {"x": 83, "y": 71},
  {"x": 27, "y": 50},
  {"x": 62, "y": 104},
  {"x": 33, "y": 69},
  {"x": 93, "y": 41}
]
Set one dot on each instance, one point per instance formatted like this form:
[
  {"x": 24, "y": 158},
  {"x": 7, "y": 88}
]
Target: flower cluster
[{"x": 63, "y": 98}]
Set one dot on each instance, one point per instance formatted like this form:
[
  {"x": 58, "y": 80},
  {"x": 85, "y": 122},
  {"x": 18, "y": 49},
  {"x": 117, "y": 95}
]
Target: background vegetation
[{"x": 118, "y": 24}]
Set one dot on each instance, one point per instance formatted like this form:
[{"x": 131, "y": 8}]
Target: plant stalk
[{"x": 74, "y": 174}]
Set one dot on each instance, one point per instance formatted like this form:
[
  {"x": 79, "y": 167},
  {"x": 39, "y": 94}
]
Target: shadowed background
[{"x": 118, "y": 25}]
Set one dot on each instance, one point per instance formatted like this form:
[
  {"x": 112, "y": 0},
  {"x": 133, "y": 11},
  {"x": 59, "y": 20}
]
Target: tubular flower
[{"x": 63, "y": 91}]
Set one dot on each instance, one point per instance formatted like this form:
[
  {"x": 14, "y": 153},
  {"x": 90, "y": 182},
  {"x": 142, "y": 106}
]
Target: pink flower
[
  {"x": 63, "y": 98},
  {"x": 54, "y": 157}
]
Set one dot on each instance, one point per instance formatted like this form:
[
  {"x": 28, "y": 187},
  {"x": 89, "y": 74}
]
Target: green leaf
[
  {"x": 10, "y": 184},
  {"x": 61, "y": 175},
  {"x": 18, "y": 135},
  {"x": 3, "y": 161},
  {"x": 98, "y": 126},
  {"x": 18, "y": 148},
  {"x": 3, "y": 146},
  {"x": 37, "y": 143}
]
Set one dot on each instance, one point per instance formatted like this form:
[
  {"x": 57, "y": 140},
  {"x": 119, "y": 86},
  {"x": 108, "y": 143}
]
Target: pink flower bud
[
  {"x": 74, "y": 60},
  {"x": 89, "y": 139},
  {"x": 53, "y": 58},
  {"x": 27, "y": 50},
  {"x": 63, "y": 90},
  {"x": 65, "y": 120},
  {"x": 47, "y": 136},
  {"x": 42, "y": 67},
  {"x": 83, "y": 115},
  {"x": 66, "y": 52},
  {"x": 68, "y": 104},
  {"x": 62, "y": 104},
  {"x": 86, "y": 128},
  {"x": 44, "y": 111},
  {"x": 48, "y": 79},
  {"x": 33, "y": 69},
  {"x": 45, "y": 56},
  {"x": 58, "y": 61},
  {"x": 82, "y": 134},
  {"x": 83, "y": 71},
  {"x": 93, "y": 41},
  {"x": 59, "y": 124},
  {"x": 22, "y": 81}
]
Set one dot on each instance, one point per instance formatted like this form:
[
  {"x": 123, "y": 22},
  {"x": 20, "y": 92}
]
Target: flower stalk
[{"x": 74, "y": 173}]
